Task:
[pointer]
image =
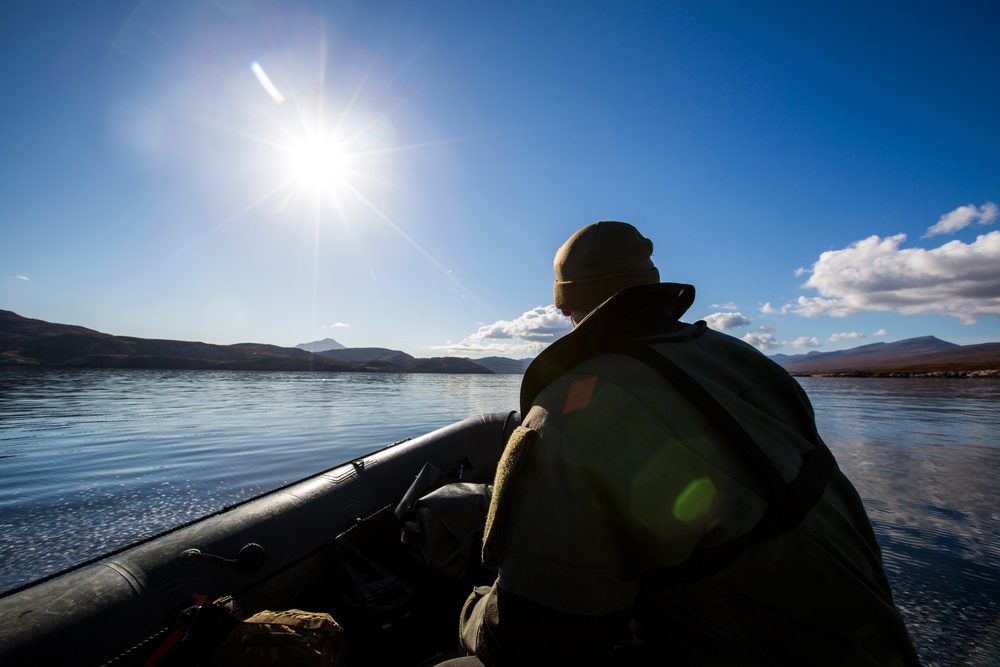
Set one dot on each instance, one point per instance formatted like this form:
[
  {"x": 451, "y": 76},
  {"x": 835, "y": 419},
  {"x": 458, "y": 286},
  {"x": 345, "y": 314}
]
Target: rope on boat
[{"x": 129, "y": 651}]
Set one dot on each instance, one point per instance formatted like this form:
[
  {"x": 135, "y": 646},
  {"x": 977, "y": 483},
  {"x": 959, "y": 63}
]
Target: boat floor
[
  {"x": 418, "y": 627},
  {"x": 410, "y": 617}
]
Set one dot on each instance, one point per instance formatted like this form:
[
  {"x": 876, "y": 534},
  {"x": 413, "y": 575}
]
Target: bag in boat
[
  {"x": 443, "y": 527},
  {"x": 218, "y": 634},
  {"x": 294, "y": 638}
]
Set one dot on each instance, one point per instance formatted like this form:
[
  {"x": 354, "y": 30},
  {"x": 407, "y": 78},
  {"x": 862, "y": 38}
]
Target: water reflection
[
  {"x": 924, "y": 455},
  {"x": 92, "y": 460}
]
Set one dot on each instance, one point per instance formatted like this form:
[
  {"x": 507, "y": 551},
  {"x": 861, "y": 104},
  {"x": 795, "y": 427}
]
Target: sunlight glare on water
[{"x": 93, "y": 460}]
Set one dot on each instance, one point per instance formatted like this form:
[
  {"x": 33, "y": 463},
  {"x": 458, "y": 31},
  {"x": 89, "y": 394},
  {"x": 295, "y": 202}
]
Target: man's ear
[{"x": 567, "y": 313}]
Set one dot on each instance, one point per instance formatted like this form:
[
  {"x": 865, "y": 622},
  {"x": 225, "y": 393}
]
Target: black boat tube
[{"x": 265, "y": 551}]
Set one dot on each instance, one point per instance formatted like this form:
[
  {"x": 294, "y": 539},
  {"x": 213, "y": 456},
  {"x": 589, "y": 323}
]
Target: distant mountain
[
  {"x": 26, "y": 342},
  {"x": 30, "y": 342},
  {"x": 926, "y": 354},
  {"x": 505, "y": 365},
  {"x": 871, "y": 351},
  {"x": 368, "y": 354},
  {"x": 447, "y": 365},
  {"x": 380, "y": 357},
  {"x": 320, "y": 345},
  {"x": 499, "y": 365}
]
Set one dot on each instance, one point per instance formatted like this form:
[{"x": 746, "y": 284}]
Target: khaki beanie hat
[{"x": 599, "y": 261}]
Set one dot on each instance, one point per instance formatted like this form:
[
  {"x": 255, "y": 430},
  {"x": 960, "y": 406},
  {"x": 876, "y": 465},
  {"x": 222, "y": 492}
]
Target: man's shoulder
[{"x": 718, "y": 346}]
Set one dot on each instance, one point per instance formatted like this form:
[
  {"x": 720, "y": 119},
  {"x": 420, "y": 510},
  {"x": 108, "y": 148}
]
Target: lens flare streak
[{"x": 266, "y": 82}]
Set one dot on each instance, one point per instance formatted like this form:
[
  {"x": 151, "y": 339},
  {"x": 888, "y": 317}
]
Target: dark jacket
[{"x": 622, "y": 483}]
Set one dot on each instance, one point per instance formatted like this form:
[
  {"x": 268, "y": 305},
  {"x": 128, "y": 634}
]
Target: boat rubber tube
[{"x": 265, "y": 551}]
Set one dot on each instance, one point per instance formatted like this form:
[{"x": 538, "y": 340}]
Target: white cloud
[
  {"x": 543, "y": 323},
  {"x": 763, "y": 339},
  {"x": 837, "y": 337},
  {"x": 336, "y": 325},
  {"x": 724, "y": 321},
  {"x": 962, "y": 217},
  {"x": 528, "y": 335},
  {"x": 816, "y": 306},
  {"x": 881, "y": 332},
  {"x": 768, "y": 309},
  {"x": 876, "y": 274},
  {"x": 806, "y": 341},
  {"x": 21, "y": 277},
  {"x": 725, "y": 306}
]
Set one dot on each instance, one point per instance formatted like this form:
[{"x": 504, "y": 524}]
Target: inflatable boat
[{"x": 329, "y": 543}]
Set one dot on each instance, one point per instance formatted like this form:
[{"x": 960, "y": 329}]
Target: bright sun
[
  {"x": 319, "y": 164},
  {"x": 331, "y": 156},
  {"x": 316, "y": 160}
]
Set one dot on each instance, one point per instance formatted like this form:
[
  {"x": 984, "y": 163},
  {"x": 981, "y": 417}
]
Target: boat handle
[{"x": 249, "y": 558}]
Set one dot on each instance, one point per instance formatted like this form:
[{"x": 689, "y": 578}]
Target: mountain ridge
[
  {"x": 912, "y": 356},
  {"x": 26, "y": 342},
  {"x": 320, "y": 345},
  {"x": 912, "y": 345}
]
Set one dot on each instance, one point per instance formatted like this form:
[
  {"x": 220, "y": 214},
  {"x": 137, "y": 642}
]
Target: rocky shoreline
[{"x": 992, "y": 374}]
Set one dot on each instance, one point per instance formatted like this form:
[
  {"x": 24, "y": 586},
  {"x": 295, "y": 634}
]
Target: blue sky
[{"x": 400, "y": 174}]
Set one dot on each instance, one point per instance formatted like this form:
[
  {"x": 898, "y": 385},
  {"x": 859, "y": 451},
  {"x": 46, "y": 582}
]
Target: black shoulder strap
[{"x": 788, "y": 503}]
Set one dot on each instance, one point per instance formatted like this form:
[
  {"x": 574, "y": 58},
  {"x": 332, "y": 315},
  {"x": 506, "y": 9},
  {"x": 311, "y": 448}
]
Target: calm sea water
[{"x": 91, "y": 460}]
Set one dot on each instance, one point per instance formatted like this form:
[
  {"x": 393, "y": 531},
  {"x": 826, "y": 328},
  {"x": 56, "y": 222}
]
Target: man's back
[
  {"x": 671, "y": 476},
  {"x": 627, "y": 478}
]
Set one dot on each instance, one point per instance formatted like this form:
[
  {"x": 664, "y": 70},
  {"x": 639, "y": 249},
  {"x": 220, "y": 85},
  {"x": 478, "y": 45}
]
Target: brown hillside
[{"x": 961, "y": 358}]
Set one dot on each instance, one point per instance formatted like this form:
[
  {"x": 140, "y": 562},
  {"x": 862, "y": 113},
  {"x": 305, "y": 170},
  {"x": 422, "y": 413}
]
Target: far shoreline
[{"x": 980, "y": 374}]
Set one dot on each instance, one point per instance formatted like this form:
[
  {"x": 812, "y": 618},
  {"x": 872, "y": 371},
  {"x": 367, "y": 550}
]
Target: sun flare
[
  {"x": 324, "y": 154},
  {"x": 318, "y": 150},
  {"x": 320, "y": 164}
]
